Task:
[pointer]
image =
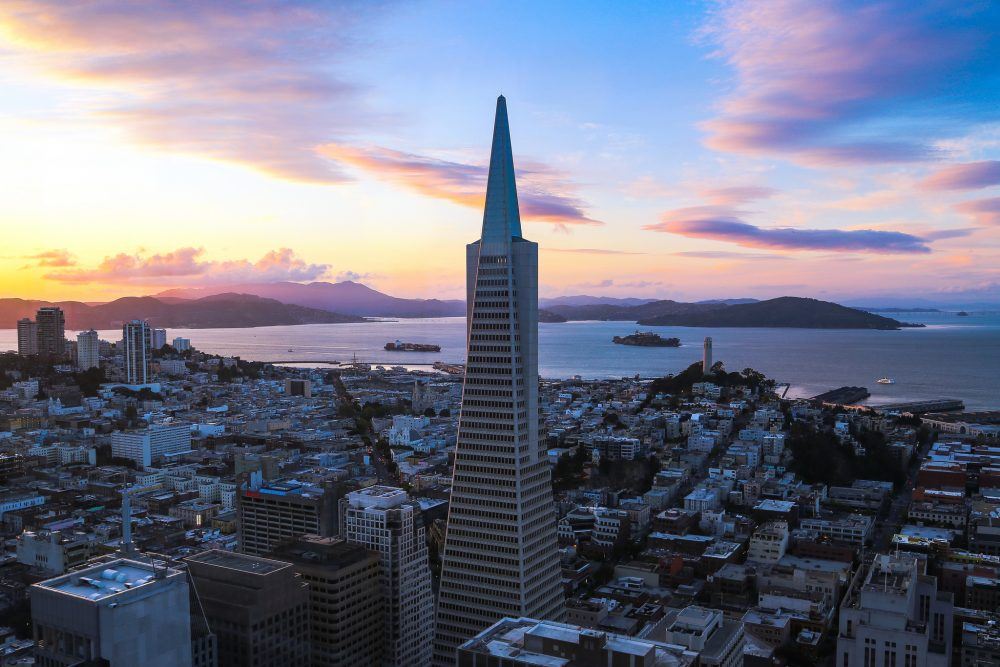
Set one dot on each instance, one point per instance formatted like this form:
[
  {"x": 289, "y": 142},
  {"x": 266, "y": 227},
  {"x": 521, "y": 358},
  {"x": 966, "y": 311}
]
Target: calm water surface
[{"x": 953, "y": 357}]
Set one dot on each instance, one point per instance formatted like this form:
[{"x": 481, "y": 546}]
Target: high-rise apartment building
[
  {"x": 51, "y": 331},
  {"x": 346, "y": 607},
  {"x": 27, "y": 337},
  {"x": 181, "y": 344},
  {"x": 135, "y": 342},
  {"x": 88, "y": 350},
  {"x": 385, "y": 520},
  {"x": 157, "y": 443},
  {"x": 258, "y": 608},
  {"x": 120, "y": 612},
  {"x": 157, "y": 338},
  {"x": 897, "y": 616},
  {"x": 270, "y": 513},
  {"x": 501, "y": 556}
]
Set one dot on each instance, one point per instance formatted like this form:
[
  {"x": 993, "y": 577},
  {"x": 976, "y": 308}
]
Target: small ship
[
  {"x": 399, "y": 346},
  {"x": 646, "y": 339}
]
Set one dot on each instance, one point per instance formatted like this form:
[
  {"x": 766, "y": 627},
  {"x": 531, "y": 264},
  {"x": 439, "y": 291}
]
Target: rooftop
[
  {"x": 234, "y": 561},
  {"x": 105, "y": 580}
]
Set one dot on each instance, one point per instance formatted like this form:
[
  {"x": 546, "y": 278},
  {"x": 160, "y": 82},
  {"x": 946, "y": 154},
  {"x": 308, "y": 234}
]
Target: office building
[
  {"x": 528, "y": 642},
  {"x": 718, "y": 641},
  {"x": 182, "y": 344},
  {"x": 51, "y": 331},
  {"x": 135, "y": 344},
  {"x": 157, "y": 443},
  {"x": 897, "y": 616},
  {"x": 88, "y": 350},
  {"x": 257, "y": 608},
  {"x": 120, "y": 612},
  {"x": 345, "y": 599},
  {"x": 385, "y": 520},
  {"x": 501, "y": 555},
  {"x": 27, "y": 337},
  {"x": 298, "y": 387},
  {"x": 270, "y": 513},
  {"x": 706, "y": 360}
]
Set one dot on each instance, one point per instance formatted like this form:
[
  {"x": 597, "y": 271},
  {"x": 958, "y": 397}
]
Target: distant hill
[
  {"x": 346, "y": 297},
  {"x": 611, "y": 312},
  {"x": 728, "y": 302},
  {"x": 785, "y": 312},
  {"x": 586, "y": 300},
  {"x": 216, "y": 311}
]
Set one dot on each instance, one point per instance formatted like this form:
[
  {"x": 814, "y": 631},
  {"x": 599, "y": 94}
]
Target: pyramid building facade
[{"x": 501, "y": 556}]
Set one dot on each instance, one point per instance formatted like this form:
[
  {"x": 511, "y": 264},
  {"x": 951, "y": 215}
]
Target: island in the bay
[{"x": 646, "y": 339}]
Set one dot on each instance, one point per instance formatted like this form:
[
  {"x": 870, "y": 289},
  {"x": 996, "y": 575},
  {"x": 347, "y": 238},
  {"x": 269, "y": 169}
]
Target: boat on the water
[
  {"x": 885, "y": 381},
  {"x": 400, "y": 346}
]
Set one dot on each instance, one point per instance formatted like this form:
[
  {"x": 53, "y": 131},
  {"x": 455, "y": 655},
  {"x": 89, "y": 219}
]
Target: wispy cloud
[
  {"x": 593, "y": 251},
  {"x": 843, "y": 82},
  {"x": 983, "y": 211},
  {"x": 717, "y": 224},
  {"x": 188, "y": 267},
  {"x": 247, "y": 82},
  {"x": 724, "y": 254},
  {"x": 737, "y": 194},
  {"x": 52, "y": 258},
  {"x": 967, "y": 176},
  {"x": 544, "y": 194}
]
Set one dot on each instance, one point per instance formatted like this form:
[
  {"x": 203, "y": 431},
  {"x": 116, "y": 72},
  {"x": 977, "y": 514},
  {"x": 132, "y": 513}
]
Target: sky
[{"x": 684, "y": 150}]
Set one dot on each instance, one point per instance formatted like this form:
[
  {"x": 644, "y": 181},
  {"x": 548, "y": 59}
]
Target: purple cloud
[
  {"x": 247, "y": 82},
  {"x": 968, "y": 176},
  {"x": 543, "y": 194},
  {"x": 719, "y": 225},
  {"x": 822, "y": 81},
  {"x": 983, "y": 211},
  {"x": 737, "y": 194}
]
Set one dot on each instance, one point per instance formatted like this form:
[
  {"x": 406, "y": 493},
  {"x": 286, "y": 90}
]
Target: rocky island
[{"x": 646, "y": 339}]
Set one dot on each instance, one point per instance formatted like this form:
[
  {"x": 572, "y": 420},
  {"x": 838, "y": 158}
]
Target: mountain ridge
[{"x": 215, "y": 311}]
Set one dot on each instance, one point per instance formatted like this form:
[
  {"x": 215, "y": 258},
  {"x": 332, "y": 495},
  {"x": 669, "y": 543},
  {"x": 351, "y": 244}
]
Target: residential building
[
  {"x": 853, "y": 529},
  {"x": 27, "y": 337},
  {"x": 157, "y": 338},
  {"x": 346, "y": 606},
  {"x": 385, "y": 520},
  {"x": 298, "y": 387},
  {"x": 181, "y": 344},
  {"x": 154, "y": 444},
  {"x": 501, "y": 555},
  {"x": 768, "y": 543},
  {"x": 258, "y": 608},
  {"x": 897, "y": 616},
  {"x": 135, "y": 342},
  {"x": 119, "y": 612},
  {"x": 271, "y": 513},
  {"x": 51, "y": 331},
  {"x": 88, "y": 350},
  {"x": 54, "y": 552}
]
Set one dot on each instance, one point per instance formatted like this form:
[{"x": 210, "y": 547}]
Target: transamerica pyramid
[{"x": 500, "y": 556}]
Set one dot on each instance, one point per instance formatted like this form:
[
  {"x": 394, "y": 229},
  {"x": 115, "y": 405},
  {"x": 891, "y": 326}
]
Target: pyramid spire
[{"x": 501, "y": 219}]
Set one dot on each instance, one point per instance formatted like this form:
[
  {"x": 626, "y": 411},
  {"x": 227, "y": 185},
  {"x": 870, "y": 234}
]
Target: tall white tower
[
  {"x": 384, "y": 519},
  {"x": 706, "y": 361},
  {"x": 500, "y": 556},
  {"x": 88, "y": 350}
]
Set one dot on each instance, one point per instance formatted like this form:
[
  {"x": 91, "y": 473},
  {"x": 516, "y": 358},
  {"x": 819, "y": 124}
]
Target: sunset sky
[{"x": 682, "y": 150}]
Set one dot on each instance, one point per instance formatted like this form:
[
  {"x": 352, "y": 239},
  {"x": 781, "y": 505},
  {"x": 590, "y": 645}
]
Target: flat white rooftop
[{"x": 105, "y": 580}]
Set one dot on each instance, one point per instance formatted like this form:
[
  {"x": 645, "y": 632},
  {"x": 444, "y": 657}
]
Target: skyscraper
[
  {"x": 51, "y": 331},
  {"x": 384, "y": 519},
  {"x": 27, "y": 337},
  {"x": 500, "y": 556},
  {"x": 88, "y": 350},
  {"x": 135, "y": 339}
]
